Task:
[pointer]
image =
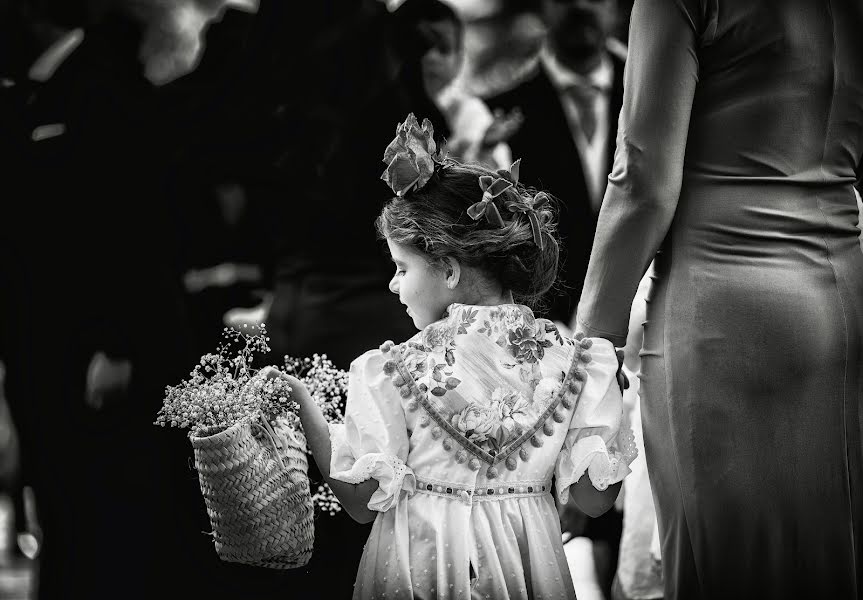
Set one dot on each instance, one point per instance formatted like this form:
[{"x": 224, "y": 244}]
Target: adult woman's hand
[{"x": 622, "y": 379}]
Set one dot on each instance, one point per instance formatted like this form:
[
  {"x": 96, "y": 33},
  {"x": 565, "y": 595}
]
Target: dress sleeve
[
  {"x": 373, "y": 441},
  {"x": 596, "y": 441},
  {"x": 643, "y": 188}
]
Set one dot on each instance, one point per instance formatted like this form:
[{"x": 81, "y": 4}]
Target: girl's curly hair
[{"x": 433, "y": 219}]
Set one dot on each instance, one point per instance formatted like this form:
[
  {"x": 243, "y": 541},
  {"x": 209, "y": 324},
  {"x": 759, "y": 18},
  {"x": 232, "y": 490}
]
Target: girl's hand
[
  {"x": 590, "y": 500},
  {"x": 298, "y": 388}
]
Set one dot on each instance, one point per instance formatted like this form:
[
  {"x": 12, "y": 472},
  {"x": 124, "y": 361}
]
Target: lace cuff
[
  {"x": 605, "y": 464},
  {"x": 392, "y": 474}
]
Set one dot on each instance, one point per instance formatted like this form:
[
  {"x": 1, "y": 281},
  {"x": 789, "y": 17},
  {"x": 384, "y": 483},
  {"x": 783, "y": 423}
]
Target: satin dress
[{"x": 740, "y": 138}]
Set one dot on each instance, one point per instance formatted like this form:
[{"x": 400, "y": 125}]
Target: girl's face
[{"x": 425, "y": 290}]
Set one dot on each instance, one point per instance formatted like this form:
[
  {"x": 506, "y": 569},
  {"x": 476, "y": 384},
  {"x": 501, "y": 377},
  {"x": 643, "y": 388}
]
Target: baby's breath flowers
[
  {"x": 225, "y": 389},
  {"x": 325, "y": 500},
  {"x": 328, "y": 387}
]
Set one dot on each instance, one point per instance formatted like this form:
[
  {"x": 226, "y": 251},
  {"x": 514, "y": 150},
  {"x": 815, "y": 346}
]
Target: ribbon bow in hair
[
  {"x": 491, "y": 189},
  {"x": 494, "y": 187},
  {"x": 529, "y": 208}
]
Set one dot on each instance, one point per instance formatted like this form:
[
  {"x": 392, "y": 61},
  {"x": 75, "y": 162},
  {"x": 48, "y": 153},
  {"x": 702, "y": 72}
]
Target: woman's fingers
[{"x": 622, "y": 379}]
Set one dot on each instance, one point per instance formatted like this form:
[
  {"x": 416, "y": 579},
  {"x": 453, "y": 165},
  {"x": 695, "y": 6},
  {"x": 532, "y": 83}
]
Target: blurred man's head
[
  {"x": 578, "y": 29},
  {"x": 442, "y": 60},
  {"x": 435, "y": 35}
]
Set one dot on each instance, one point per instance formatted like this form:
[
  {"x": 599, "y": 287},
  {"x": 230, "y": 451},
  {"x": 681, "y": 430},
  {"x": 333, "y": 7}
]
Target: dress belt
[{"x": 500, "y": 491}]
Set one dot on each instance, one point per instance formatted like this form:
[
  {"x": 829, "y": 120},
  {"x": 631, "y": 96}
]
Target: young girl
[{"x": 455, "y": 441}]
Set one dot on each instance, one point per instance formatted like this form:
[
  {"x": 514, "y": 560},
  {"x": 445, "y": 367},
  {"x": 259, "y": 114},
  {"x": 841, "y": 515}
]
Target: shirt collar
[{"x": 563, "y": 77}]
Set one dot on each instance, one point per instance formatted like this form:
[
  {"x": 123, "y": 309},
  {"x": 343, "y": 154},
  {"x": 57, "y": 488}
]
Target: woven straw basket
[{"x": 260, "y": 507}]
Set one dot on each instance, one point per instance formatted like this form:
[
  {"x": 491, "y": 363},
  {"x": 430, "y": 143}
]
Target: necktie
[{"x": 584, "y": 97}]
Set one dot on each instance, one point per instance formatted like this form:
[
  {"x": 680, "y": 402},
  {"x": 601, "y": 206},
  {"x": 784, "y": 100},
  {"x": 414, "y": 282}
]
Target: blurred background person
[
  {"x": 570, "y": 104},
  {"x": 97, "y": 298},
  {"x": 25, "y": 35},
  {"x": 432, "y": 32},
  {"x": 502, "y": 41}
]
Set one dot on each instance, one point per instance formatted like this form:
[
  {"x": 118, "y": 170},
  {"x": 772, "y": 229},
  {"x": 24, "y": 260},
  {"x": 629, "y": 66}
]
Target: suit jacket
[{"x": 552, "y": 163}]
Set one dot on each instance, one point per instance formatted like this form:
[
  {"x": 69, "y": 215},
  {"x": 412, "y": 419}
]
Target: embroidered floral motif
[
  {"x": 512, "y": 415},
  {"x": 444, "y": 381},
  {"x": 527, "y": 344},
  {"x": 550, "y": 328},
  {"x": 468, "y": 318},
  {"x": 495, "y": 424},
  {"x": 512, "y": 400},
  {"x": 476, "y": 422},
  {"x": 437, "y": 336},
  {"x": 511, "y": 406},
  {"x": 417, "y": 361}
]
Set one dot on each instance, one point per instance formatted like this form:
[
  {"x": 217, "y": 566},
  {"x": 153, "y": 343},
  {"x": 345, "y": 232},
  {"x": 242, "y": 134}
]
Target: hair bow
[
  {"x": 529, "y": 208},
  {"x": 492, "y": 188}
]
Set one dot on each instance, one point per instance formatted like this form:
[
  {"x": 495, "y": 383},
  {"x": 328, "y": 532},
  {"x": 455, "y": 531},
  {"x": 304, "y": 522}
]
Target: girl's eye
[{"x": 400, "y": 272}]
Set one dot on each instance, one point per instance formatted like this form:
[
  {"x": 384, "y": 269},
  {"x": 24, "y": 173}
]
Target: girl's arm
[
  {"x": 590, "y": 500},
  {"x": 354, "y": 497}
]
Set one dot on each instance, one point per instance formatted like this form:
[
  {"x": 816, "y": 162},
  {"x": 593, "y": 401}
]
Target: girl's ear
[{"x": 452, "y": 269}]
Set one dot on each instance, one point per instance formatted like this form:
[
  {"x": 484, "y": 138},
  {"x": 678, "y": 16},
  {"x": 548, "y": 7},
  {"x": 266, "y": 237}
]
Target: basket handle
[{"x": 278, "y": 439}]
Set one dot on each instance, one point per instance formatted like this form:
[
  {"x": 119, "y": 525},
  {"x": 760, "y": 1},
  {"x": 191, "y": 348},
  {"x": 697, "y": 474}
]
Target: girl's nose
[{"x": 394, "y": 286}]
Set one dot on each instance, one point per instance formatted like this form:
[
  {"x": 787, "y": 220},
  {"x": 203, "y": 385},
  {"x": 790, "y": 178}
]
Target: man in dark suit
[{"x": 570, "y": 101}]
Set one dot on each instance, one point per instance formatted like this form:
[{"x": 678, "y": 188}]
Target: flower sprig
[
  {"x": 225, "y": 389},
  {"x": 325, "y": 500},
  {"x": 328, "y": 387}
]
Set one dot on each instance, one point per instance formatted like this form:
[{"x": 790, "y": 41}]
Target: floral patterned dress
[{"x": 468, "y": 428}]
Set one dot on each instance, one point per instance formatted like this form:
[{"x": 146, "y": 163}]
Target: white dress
[{"x": 468, "y": 427}]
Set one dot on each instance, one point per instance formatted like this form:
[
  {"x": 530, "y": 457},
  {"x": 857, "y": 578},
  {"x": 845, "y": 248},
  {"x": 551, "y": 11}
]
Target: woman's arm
[
  {"x": 354, "y": 497},
  {"x": 643, "y": 189},
  {"x": 590, "y": 500}
]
